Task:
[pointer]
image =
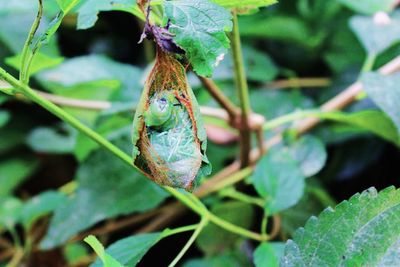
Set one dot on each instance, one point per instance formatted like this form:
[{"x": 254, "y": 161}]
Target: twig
[
  {"x": 243, "y": 92},
  {"x": 220, "y": 97},
  {"x": 276, "y": 227},
  {"x": 299, "y": 83}
]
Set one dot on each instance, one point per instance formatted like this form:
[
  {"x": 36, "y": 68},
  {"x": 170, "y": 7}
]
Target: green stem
[
  {"x": 297, "y": 115},
  {"x": 369, "y": 63},
  {"x": 23, "y": 76},
  {"x": 232, "y": 193},
  {"x": 196, "y": 233},
  {"x": 325, "y": 199},
  {"x": 264, "y": 224},
  {"x": 243, "y": 92},
  {"x": 187, "y": 228},
  {"x": 28, "y": 92}
]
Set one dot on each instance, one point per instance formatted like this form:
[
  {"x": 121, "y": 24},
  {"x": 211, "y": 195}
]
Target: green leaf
[
  {"x": 268, "y": 254},
  {"x": 4, "y": 117},
  {"x": 362, "y": 231},
  {"x": 369, "y": 7},
  {"x": 107, "y": 260},
  {"x": 13, "y": 171},
  {"x": 10, "y": 209},
  {"x": 88, "y": 12},
  {"x": 227, "y": 258},
  {"x": 258, "y": 65},
  {"x": 371, "y": 120},
  {"x": 39, "y": 206},
  {"x": 384, "y": 91},
  {"x": 213, "y": 239},
  {"x": 279, "y": 180},
  {"x": 49, "y": 140},
  {"x": 103, "y": 181},
  {"x": 374, "y": 37},
  {"x": 67, "y": 5},
  {"x": 129, "y": 251},
  {"x": 74, "y": 252},
  {"x": 310, "y": 153},
  {"x": 39, "y": 63},
  {"x": 244, "y": 3},
  {"x": 199, "y": 28}
]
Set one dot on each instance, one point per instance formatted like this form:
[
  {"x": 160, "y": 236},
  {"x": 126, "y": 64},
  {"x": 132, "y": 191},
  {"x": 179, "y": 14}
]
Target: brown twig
[
  {"x": 276, "y": 227},
  {"x": 220, "y": 97},
  {"x": 299, "y": 83}
]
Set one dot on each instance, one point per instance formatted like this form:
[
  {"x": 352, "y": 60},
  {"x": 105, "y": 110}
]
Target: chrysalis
[{"x": 168, "y": 133}]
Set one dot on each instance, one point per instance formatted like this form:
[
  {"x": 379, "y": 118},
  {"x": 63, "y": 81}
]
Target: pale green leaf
[
  {"x": 369, "y": 7},
  {"x": 50, "y": 140},
  {"x": 129, "y": 251},
  {"x": 10, "y": 211},
  {"x": 39, "y": 63},
  {"x": 268, "y": 254},
  {"x": 88, "y": 12},
  {"x": 364, "y": 231},
  {"x": 244, "y": 3},
  {"x": 384, "y": 91},
  {"x": 13, "y": 171},
  {"x": 310, "y": 153},
  {"x": 375, "y": 37},
  {"x": 39, "y": 206},
  {"x": 107, "y": 260},
  {"x": 199, "y": 28}
]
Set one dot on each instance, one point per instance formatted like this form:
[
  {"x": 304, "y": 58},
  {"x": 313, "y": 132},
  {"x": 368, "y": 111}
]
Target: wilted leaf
[
  {"x": 199, "y": 28},
  {"x": 362, "y": 231}
]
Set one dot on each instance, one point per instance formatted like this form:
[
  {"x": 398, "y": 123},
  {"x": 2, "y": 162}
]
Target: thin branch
[
  {"x": 243, "y": 92},
  {"x": 220, "y": 97},
  {"x": 299, "y": 83}
]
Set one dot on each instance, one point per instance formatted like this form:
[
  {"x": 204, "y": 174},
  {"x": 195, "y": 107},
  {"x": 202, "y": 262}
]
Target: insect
[{"x": 168, "y": 133}]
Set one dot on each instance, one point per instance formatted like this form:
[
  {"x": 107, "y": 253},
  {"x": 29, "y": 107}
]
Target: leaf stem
[
  {"x": 232, "y": 193},
  {"x": 201, "y": 225},
  {"x": 243, "y": 92},
  {"x": 368, "y": 63},
  {"x": 296, "y": 115},
  {"x": 24, "y": 67},
  {"x": 186, "y": 228}
]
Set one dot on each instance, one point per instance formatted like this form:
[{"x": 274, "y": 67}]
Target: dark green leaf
[
  {"x": 39, "y": 206},
  {"x": 362, "y": 231},
  {"x": 384, "y": 91},
  {"x": 268, "y": 254},
  {"x": 376, "y": 37},
  {"x": 129, "y": 251},
  {"x": 199, "y": 28},
  {"x": 213, "y": 239},
  {"x": 278, "y": 179},
  {"x": 103, "y": 181},
  {"x": 4, "y": 117},
  {"x": 13, "y": 172},
  {"x": 226, "y": 258}
]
